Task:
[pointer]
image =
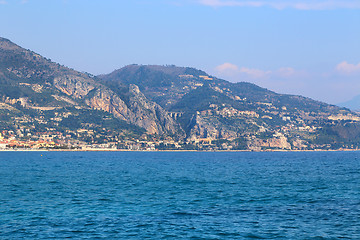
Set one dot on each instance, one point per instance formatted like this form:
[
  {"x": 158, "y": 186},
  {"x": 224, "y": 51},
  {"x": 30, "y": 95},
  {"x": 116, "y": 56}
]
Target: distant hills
[
  {"x": 353, "y": 104},
  {"x": 163, "y": 107}
]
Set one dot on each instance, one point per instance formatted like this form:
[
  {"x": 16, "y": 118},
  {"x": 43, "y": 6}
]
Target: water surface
[{"x": 191, "y": 195}]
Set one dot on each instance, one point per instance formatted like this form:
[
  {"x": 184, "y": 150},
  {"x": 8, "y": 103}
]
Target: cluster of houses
[
  {"x": 13, "y": 143},
  {"x": 9, "y": 140}
]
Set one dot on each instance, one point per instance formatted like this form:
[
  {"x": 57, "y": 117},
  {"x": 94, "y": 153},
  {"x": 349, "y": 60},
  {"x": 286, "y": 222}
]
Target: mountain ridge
[
  {"x": 81, "y": 88},
  {"x": 353, "y": 104},
  {"x": 183, "y": 106}
]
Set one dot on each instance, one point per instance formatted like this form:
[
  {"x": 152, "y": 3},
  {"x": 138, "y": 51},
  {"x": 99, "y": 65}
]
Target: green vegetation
[{"x": 215, "y": 114}]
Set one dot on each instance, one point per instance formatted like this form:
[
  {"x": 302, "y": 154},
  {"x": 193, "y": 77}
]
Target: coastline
[{"x": 127, "y": 150}]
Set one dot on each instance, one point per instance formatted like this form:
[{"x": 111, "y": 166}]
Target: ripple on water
[{"x": 180, "y": 195}]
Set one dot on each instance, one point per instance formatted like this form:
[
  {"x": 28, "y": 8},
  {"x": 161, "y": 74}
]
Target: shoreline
[{"x": 126, "y": 150}]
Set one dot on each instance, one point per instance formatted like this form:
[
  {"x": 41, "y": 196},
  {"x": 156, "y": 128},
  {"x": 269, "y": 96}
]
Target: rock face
[
  {"x": 204, "y": 127},
  {"x": 139, "y": 111},
  {"x": 106, "y": 100},
  {"x": 150, "y": 115},
  {"x": 25, "y": 71},
  {"x": 75, "y": 86}
]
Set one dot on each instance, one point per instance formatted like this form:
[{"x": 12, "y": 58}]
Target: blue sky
[{"x": 307, "y": 47}]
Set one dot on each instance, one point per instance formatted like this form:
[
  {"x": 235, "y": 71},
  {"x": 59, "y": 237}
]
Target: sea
[{"x": 180, "y": 195}]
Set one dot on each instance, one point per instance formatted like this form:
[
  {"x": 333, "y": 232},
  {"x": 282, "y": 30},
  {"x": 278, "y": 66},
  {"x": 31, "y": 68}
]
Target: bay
[{"x": 180, "y": 195}]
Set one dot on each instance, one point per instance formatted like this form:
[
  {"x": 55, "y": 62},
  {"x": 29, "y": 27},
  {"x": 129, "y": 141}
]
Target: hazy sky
[{"x": 307, "y": 47}]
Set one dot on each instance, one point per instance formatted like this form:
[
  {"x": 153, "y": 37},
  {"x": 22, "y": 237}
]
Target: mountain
[
  {"x": 142, "y": 106},
  {"x": 353, "y": 104},
  {"x": 36, "y": 83},
  {"x": 231, "y": 114}
]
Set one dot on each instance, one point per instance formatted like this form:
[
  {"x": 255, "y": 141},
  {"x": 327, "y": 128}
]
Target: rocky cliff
[
  {"x": 21, "y": 70},
  {"x": 151, "y": 115}
]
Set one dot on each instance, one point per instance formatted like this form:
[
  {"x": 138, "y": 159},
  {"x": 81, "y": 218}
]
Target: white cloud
[
  {"x": 3, "y": 2},
  {"x": 220, "y": 3},
  {"x": 348, "y": 68},
  {"x": 286, "y": 72},
  {"x": 282, "y": 4},
  {"x": 227, "y": 67},
  {"x": 231, "y": 70},
  {"x": 254, "y": 73}
]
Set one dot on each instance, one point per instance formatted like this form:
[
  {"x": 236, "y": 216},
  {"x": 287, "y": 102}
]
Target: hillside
[
  {"x": 229, "y": 114},
  {"x": 141, "y": 107},
  {"x": 33, "y": 86}
]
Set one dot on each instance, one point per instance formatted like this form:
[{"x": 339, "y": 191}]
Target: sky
[{"x": 303, "y": 47}]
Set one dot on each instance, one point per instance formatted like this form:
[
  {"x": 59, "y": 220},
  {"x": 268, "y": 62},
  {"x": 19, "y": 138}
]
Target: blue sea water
[{"x": 173, "y": 195}]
